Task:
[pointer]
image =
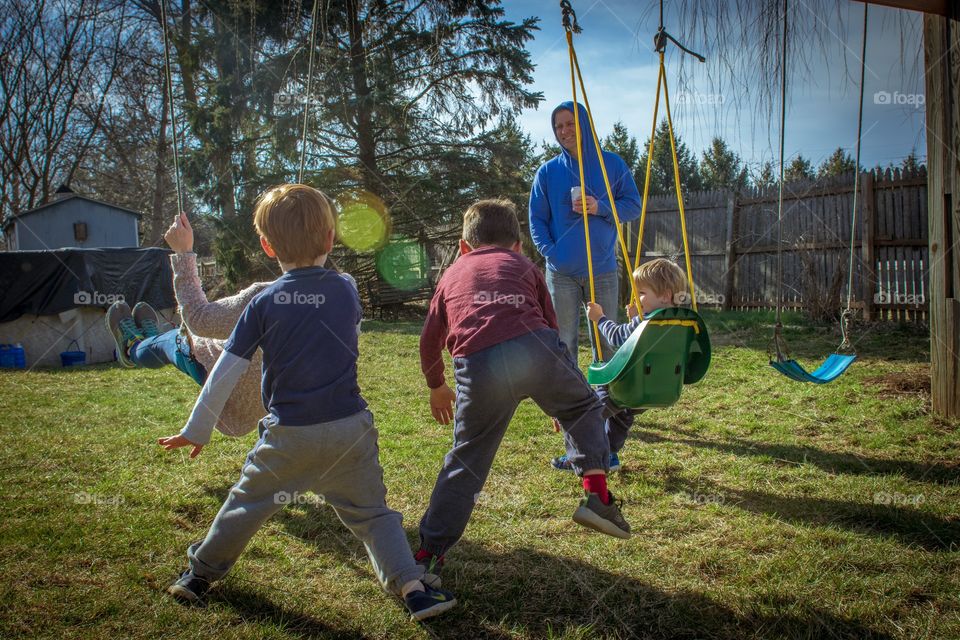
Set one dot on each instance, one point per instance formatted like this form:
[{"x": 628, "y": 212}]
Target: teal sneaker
[
  {"x": 147, "y": 319},
  {"x": 561, "y": 463},
  {"x": 428, "y": 603},
  {"x": 124, "y": 330}
]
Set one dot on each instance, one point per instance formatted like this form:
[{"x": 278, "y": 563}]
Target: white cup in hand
[{"x": 574, "y": 194}]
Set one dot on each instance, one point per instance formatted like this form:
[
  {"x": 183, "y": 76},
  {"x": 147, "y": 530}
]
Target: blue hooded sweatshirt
[{"x": 556, "y": 229}]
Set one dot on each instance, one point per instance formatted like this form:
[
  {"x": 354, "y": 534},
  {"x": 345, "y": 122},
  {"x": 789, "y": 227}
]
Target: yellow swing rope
[
  {"x": 662, "y": 79},
  {"x": 583, "y": 194}
]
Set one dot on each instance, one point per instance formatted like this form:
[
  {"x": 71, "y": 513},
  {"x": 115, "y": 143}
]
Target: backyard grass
[{"x": 762, "y": 508}]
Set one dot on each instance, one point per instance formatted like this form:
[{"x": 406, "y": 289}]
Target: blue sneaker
[
  {"x": 428, "y": 603},
  {"x": 189, "y": 588},
  {"x": 561, "y": 463}
]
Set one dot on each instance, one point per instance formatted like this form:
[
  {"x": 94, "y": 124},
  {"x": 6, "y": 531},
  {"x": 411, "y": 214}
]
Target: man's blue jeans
[
  {"x": 569, "y": 295},
  {"x": 164, "y": 349}
]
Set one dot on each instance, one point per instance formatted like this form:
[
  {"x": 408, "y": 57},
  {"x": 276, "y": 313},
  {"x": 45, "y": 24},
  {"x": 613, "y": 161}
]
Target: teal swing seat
[
  {"x": 669, "y": 349},
  {"x": 830, "y": 370}
]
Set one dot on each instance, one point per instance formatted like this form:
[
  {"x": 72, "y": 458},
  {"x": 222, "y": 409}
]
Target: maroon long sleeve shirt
[{"x": 486, "y": 297}]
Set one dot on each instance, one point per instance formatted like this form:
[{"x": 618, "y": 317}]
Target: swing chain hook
[
  {"x": 846, "y": 318},
  {"x": 569, "y": 17},
  {"x": 660, "y": 44},
  {"x": 777, "y": 350}
]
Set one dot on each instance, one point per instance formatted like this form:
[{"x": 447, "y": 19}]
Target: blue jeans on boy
[
  {"x": 569, "y": 295},
  {"x": 165, "y": 349},
  {"x": 490, "y": 385},
  {"x": 617, "y": 421}
]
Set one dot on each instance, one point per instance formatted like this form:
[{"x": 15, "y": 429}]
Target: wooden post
[
  {"x": 730, "y": 263},
  {"x": 941, "y": 53},
  {"x": 868, "y": 256}
]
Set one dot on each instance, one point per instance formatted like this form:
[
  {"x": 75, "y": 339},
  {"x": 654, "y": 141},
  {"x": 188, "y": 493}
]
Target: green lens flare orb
[
  {"x": 404, "y": 264},
  {"x": 363, "y": 224}
]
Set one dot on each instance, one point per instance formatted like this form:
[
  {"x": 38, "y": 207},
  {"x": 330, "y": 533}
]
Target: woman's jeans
[{"x": 165, "y": 349}]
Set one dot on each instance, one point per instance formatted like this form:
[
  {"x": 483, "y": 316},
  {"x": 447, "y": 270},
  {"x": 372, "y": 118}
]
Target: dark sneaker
[
  {"x": 124, "y": 330},
  {"x": 147, "y": 319},
  {"x": 563, "y": 464},
  {"x": 428, "y": 603},
  {"x": 431, "y": 571},
  {"x": 605, "y": 518},
  {"x": 189, "y": 588}
]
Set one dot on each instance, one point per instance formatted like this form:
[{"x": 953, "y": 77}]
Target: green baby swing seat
[{"x": 669, "y": 349}]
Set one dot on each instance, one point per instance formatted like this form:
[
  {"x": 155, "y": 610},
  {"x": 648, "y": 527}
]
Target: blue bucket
[
  {"x": 12, "y": 356},
  {"x": 73, "y": 358}
]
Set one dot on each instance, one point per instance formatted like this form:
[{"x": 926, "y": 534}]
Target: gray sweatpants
[{"x": 337, "y": 460}]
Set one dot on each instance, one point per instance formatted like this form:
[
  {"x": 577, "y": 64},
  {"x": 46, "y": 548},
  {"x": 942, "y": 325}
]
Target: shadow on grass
[
  {"x": 905, "y": 524},
  {"x": 256, "y": 606},
  {"x": 527, "y": 593},
  {"x": 846, "y": 463}
]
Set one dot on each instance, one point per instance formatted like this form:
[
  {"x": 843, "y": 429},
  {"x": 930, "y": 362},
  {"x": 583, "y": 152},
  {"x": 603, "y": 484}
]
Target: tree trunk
[{"x": 366, "y": 143}]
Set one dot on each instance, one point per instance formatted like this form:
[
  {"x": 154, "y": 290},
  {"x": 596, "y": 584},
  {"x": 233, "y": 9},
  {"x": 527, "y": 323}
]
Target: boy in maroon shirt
[{"x": 493, "y": 312}]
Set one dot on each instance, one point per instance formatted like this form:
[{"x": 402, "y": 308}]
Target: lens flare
[
  {"x": 404, "y": 264},
  {"x": 364, "y": 223}
]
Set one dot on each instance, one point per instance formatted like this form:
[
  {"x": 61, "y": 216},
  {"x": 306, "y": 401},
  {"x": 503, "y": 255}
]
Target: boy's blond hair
[
  {"x": 662, "y": 276},
  {"x": 296, "y": 220},
  {"x": 491, "y": 222}
]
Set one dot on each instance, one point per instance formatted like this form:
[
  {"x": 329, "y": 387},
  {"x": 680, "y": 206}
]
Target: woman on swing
[{"x": 207, "y": 325}]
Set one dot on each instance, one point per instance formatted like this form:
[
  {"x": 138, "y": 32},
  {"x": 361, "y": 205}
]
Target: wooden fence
[{"x": 733, "y": 244}]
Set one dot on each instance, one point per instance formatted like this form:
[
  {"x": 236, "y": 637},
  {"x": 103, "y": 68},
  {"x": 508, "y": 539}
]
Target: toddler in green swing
[{"x": 659, "y": 283}]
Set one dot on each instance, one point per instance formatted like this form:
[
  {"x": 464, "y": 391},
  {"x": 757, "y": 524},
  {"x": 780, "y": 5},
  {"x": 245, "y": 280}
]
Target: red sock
[
  {"x": 423, "y": 554},
  {"x": 597, "y": 483}
]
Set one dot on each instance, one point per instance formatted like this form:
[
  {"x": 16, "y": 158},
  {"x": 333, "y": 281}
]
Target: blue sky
[{"x": 620, "y": 71}]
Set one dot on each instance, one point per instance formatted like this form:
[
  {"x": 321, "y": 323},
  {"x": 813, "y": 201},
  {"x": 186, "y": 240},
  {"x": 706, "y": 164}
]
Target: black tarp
[{"x": 50, "y": 282}]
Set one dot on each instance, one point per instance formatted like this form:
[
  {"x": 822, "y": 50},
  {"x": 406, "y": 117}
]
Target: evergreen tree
[
  {"x": 766, "y": 177},
  {"x": 798, "y": 169},
  {"x": 624, "y": 145},
  {"x": 661, "y": 173},
  {"x": 722, "y": 168},
  {"x": 838, "y": 164}
]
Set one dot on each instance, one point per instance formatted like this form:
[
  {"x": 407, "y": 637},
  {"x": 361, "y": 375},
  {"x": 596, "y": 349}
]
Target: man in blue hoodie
[{"x": 556, "y": 223}]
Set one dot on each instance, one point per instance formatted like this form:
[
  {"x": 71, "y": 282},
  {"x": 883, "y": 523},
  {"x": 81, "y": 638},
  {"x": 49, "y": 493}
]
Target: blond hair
[
  {"x": 662, "y": 276},
  {"x": 493, "y": 221},
  {"x": 296, "y": 220}
]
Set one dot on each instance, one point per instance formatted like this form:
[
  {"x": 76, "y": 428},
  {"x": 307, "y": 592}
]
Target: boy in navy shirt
[
  {"x": 493, "y": 312},
  {"x": 318, "y": 435}
]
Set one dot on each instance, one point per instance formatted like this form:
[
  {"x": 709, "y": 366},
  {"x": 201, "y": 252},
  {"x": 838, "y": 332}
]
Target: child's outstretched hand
[
  {"x": 175, "y": 442},
  {"x": 594, "y": 311},
  {"x": 442, "y": 400},
  {"x": 632, "y": 311}
]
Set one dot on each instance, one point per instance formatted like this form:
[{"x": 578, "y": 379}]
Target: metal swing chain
[{"x": 847, "y": 314}]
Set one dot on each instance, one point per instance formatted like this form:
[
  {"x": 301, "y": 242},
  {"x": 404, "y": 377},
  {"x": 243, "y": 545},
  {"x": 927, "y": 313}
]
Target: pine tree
[
  {"x": 766, "y": 177},
  {"x": 722, "y": 168},
  {"x": 661, "y": 173},
  {"x": 838, "y": 164},
  {"x": 624, "y": 145},
  {"x": 799, "y": 169}
]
